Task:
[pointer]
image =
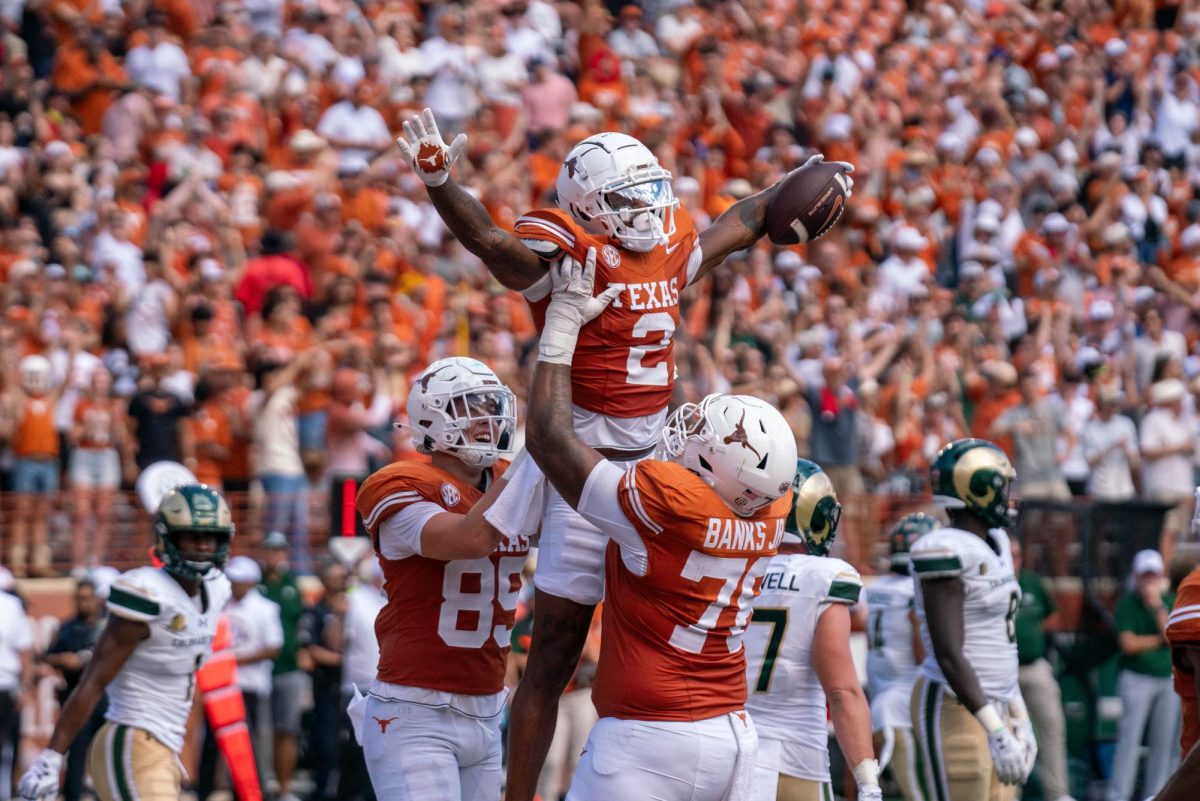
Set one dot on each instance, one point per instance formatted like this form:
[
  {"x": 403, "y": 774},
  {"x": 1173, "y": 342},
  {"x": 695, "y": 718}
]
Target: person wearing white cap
[
  {"x": 1168, "y": 446},
  {"x": 1148, "y": 700},
  {"x": 1176, "y": 118},
  {"x": 254, "y": 622},
  {"x": 1111, "y": 449},
  {"x": 901, "y": 273}
]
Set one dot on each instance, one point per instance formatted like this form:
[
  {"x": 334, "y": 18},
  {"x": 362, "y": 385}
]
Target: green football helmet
[
  {"x": 974, "y": 474},
  {"x": 904, "y": 533},
  {"x": 815, "y": 508},
  {"x": 192, "y": 508}
]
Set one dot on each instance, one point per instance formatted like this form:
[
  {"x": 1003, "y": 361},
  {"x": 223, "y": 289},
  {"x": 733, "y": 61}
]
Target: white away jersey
[
  {"x": 990, "y": 600},
  {"x": 153, "y": 690},
  {"x": 785, "y": 698},
  {"x": 891, "y": 664}
]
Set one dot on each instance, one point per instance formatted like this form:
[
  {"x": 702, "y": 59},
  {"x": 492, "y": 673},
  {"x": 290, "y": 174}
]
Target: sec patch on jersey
[{"x": 808, "y": 203}]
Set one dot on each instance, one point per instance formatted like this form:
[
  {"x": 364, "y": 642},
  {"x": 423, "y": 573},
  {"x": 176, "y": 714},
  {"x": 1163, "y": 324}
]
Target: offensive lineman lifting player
[{"x": 615, "y": 197}]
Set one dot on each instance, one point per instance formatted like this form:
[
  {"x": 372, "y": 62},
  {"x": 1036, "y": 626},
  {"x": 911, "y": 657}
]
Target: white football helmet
[
  {"x": 458, "y": 406},
  {"x": 740, "y": 445},
  {"x": 613, "y": 185},
  {"x": 35, "y": 374}
]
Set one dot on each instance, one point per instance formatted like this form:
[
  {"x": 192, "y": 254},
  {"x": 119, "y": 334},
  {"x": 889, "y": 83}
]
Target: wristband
[
  {"x": 989, "y": 718},
  {"x": 866, "y": 772},
  {"x": 559, "y": 335}
]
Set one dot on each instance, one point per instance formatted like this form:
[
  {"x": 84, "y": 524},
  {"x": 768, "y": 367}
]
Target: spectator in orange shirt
[
  {"x": 91, "y": 77},
  {"x": 97, "y": 439},
  {"x": 35, "y": 474}
]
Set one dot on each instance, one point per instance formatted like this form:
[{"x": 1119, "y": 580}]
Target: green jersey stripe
[{"x": 134, "y": 603}]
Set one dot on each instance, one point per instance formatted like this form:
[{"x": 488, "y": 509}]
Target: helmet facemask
[
  {"x": 185, "y": 565},
  {"x": 479, "y": 425},
  {"x": 640, "y": 210}
]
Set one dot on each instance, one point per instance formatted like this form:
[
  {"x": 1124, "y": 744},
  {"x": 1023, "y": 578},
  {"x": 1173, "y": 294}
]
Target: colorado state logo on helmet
[
  {"x": 816, "y": 512},
  {"x": 976, "y": 475},
  {"x": 192, "y": 508}
]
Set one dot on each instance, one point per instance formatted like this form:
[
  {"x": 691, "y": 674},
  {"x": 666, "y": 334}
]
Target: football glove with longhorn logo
[{"x": 422, "y": 144}]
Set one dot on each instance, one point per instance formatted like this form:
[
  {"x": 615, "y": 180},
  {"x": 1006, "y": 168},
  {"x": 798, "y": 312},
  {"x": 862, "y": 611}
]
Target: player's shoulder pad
[
  {"x": 656, "y": 491},
  {"x": 390, "y": 489},
  {"x": 138, "y": 594},
  {"x": 941, "y": 553},
  {"x": 551, "y": 232},
  {"x": 845, "y": 584}
]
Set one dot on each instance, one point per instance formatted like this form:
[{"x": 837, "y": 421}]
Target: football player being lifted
[
  {"x": 615, "y": 197},
  {"x": 688, "y": 538},
  {"x": 972, "y": 730},
  {"x": 798, "y": 657},
  {"x": 431, "y": 724},
  {"x": 161, "y": 625}
]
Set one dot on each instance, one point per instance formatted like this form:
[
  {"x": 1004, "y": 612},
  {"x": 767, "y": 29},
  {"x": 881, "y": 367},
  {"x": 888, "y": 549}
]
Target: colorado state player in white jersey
[
  {"x": 798, "y": 657},
  {"x": 895, "y": 654},
  {"x": 614, "y": 196},
  {"x": 973, "y": 733},
  {"x": 161, "y": 625}
]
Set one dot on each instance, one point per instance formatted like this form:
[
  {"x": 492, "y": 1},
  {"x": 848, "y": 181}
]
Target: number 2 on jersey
[
  {"x": 737, "y": 579},
  {"x": 637, "y": 373},
  {"x": 463, "y": 603}
]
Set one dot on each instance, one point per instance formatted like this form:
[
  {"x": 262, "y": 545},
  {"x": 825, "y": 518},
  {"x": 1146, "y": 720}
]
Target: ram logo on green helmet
[
  {"x": 816, "y": 512},
  {"x": 192, "y": 508}
]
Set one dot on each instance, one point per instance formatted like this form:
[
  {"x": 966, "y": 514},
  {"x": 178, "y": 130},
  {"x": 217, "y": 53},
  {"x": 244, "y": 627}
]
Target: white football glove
[
  {"x": 423, "y": 146},
  {"x": 572, "y": 305},
  {"x": 870, "y": 792},
  {"x": 847, "y": 168},
  {"x": 1008, "y": 756},
  {"x": 41, "y": 780},
  {"x": 1022, "y": 729},
  {"x": 866, "y": 776}
]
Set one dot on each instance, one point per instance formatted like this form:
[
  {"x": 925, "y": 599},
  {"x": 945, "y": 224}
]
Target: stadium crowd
[
  {"x": 207, "y": 232},
  {"x": 211, "y": 251}
]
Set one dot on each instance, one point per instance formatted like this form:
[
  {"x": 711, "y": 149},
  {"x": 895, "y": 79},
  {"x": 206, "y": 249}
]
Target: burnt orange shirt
[{"x": 36, "y": 437}]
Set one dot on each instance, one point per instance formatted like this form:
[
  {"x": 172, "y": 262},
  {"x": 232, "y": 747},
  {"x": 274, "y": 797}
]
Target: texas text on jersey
[
  {"x": 457, "y": 614},
  {"x": 674, "y": 616},
  {"x": 623, "y": 365}
]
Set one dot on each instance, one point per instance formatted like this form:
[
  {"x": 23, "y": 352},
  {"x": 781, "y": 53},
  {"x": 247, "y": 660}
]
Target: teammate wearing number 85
[
  {"x": 430, "y": 730},
  {"x": 690, "y": 537},
  {"x": 161, "y": 625},
  {"x": 798, "y": 658},
  {"x": 966, "y": 704}
]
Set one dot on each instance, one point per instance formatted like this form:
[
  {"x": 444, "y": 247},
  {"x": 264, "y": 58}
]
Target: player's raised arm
[
  {"x": 506, "y": 257},
  {"x": 745, "y": 222},
  {"x": 565, "y": 459}
]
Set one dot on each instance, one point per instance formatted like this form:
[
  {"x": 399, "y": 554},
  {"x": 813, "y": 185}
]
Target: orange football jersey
[
  {"x": 624, "y": 366},
  {"x": 1183, "y": 628},
  {"x": 672, "y": 638},
  {"x": 446, "y": 625}
]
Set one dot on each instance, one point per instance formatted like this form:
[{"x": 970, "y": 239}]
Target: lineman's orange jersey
[
  {"x": 624, "y": 366},
  {"x": 446, "y": 625},
  {"x": 1183, "y": 628},
  {"x": 672, "y": 645}
]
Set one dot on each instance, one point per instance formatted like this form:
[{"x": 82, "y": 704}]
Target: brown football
[{"x": 807, "y": 204}]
